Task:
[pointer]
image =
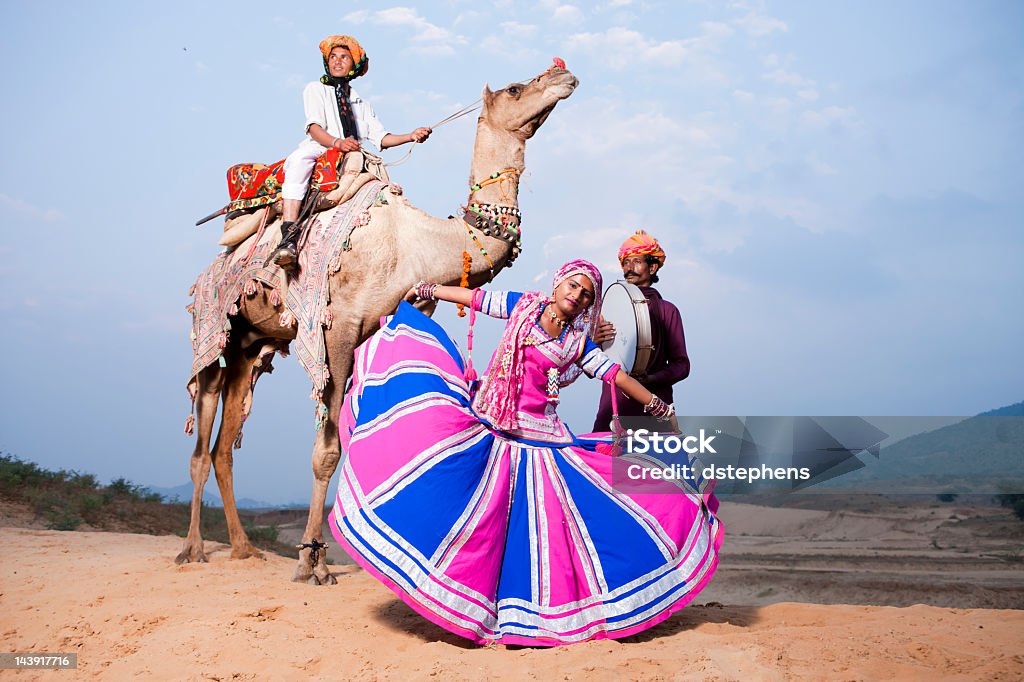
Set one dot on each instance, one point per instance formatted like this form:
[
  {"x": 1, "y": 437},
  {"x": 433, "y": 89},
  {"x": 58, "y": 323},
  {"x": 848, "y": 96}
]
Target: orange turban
[
  {"x": 359, "y": 58},
  {"x": 641, "y": 244}
]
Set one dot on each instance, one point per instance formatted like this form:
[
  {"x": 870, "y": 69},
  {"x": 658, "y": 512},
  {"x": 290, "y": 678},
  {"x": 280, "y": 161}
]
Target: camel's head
[{"x": 521, "y": 108}]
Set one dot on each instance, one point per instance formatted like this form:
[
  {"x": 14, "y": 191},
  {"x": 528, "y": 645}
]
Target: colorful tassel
[
  {"x": 320, "y": 415},
  {"x": 467, "y": 265},
  {"x": 471, "y": 374}
]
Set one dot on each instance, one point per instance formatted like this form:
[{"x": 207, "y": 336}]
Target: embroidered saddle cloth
[
  {"x": 251, "y": 185},
  {"x": 243, "y": 271}
]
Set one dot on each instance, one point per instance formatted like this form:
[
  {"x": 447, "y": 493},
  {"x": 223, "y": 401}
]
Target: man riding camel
[{"x": 336, "y": 116}]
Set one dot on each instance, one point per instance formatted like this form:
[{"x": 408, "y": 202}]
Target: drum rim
[{"x": 642, "y": 316}]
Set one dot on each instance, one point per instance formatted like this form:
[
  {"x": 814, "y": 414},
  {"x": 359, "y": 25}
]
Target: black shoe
[{"x": 286, "y": 255}]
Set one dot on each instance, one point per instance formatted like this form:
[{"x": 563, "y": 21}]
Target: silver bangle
[{"x": 425, "y": 291}]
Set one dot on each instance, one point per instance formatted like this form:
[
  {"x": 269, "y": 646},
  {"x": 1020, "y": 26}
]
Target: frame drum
[{"x": 626, "y": 307}]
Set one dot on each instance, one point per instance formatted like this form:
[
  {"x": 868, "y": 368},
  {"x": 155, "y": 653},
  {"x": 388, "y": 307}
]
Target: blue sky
[{"x": 837, "y": 186}]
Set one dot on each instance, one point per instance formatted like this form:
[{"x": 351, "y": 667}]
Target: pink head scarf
[{"x": 497, "y": 397}]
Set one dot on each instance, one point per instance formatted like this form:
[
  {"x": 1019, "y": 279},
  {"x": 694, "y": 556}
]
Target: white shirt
[{"x": 322, "y": 108}]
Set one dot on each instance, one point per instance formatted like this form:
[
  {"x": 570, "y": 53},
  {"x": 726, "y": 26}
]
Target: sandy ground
[
  {"x": 119, "y": 601},
  {"x": 922, "y": 593}
]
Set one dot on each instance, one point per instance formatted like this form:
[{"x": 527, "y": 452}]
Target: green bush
[
  {"x": 89, "y": 506},
  {"x": 15, "y": 472},
  {"x": 946, "y": 497},
  {"x": 62, "y": 519},
  {"x": 122, "y": 486},
  {"x": 261, "y": 534}
]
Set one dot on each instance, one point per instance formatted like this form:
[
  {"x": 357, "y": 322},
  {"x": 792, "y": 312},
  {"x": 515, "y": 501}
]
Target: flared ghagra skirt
[{"x": 497, "y": 539}]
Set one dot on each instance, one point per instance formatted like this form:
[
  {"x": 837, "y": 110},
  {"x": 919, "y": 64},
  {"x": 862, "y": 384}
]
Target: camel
[{"x": 400, "y": 246}]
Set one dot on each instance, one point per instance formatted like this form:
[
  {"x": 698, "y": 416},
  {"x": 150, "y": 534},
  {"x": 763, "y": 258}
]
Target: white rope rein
[{"x": 458, "y": 114}]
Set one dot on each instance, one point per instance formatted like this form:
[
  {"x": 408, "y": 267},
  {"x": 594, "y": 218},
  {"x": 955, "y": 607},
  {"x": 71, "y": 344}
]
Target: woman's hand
[{"x": 410, "y": 297}]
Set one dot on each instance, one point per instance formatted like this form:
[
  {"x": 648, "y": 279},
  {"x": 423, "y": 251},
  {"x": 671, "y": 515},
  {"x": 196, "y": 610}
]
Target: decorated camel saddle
[
  {"x": 254, "y": 189},
  {"x": 243, "y": 272}
]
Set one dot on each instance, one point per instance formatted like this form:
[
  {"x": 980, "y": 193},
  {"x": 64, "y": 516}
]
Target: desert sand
[{"x": 120, "y": 602}]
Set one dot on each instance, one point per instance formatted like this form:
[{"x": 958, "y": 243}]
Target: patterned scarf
[
  {"x": 499, "y": 393},
  {"x": 342, "y": 91}
]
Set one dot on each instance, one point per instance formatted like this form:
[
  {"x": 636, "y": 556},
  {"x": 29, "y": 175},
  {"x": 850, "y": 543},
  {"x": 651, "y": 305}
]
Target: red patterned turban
[
  {"x": 359, "y": 58},
  {"x": 641, "y": 244}
]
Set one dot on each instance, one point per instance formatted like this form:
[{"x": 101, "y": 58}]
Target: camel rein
[
  {"x": 448, "y": 119},
  {"x": 468, "y": 109}
]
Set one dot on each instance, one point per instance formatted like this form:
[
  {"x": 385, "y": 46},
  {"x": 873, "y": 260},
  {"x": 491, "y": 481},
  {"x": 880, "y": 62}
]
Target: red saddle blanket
[{"x": 255, "y": 184}]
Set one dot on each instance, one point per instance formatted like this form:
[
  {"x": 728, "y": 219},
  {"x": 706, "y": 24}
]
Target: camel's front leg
[
  {"x": 326, "y": 455},
  {"x": 211, "y": 381}
]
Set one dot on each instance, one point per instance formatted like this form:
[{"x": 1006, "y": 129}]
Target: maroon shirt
[{"x": 669, "y": 362}]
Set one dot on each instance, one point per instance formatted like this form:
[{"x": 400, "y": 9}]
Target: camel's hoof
[
  {"x": 303, "y": 574},
  {"x": 247, "y": 552},
  {"x": 188, "y": 556},
  {"x": 314, "y": 580},
  {"x": 326, "y": 579}
]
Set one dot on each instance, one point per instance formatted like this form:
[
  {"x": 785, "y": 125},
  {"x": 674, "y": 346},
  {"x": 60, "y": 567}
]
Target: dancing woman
[{"x": 485, "y": 513}]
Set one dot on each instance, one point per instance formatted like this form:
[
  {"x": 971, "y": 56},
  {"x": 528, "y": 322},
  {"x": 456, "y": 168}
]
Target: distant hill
[
  {"x": 211, "y": 497},
  {"x": 983, "y": 454},
  {"x": 1015, "y": 410}
]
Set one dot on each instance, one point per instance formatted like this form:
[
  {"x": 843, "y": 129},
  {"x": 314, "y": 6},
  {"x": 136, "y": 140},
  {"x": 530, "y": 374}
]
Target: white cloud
[
  {"x": 428, "y": 38},
  {"x": 819, "y": 166},
  {"x": 515, "y": 42},
  {"x": 599, "y": 246},
  {"x": 830, "y": 116},
  {"x": 470, "y": 16},
  {"x": 615, "y": 42},
  {"x": 514, "y": 29},
  {"x": 562, "y": 13},
  {"x": 567, "y": 14},
  {"x": 759, "y": 25},
  {"x": 644, "y": 126},
  {"x": 45, "y": 214},
  {"x": 808, "y": 95},
  {"x": 743, "y": 97},
  {"x": 777, "y": 105},
  {"x": 783, "y": 77}
]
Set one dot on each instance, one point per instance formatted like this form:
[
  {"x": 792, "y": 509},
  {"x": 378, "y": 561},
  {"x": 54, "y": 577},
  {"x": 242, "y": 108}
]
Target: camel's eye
[{"x": 513, "y": 90}]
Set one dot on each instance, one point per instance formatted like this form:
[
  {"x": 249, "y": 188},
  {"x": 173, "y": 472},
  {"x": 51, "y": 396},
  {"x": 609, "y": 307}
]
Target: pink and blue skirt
[{"x": 497, "y": 539}]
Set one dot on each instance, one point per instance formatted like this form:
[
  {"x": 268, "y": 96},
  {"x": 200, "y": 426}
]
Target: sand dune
[{"x": 119, "y": 601}]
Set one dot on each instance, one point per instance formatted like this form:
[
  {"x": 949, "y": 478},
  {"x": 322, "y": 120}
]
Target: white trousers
[{"x": 298, "y": 168}]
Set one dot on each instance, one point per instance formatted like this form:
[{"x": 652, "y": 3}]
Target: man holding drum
[{"x": 641, "y": 258}]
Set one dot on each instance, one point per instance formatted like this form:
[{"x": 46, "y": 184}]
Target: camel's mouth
[{"x": 560, "y": 83}]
